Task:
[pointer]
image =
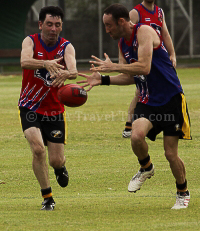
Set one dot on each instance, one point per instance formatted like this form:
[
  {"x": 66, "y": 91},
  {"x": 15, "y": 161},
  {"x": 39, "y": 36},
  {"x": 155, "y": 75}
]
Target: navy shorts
[
  {"x": 172, "y": 118},
  {"x": 51, "y": 127}
]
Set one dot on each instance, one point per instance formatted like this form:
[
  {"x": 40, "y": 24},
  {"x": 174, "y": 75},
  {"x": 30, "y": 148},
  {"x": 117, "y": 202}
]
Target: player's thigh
[{"x": 34, "y": 138}]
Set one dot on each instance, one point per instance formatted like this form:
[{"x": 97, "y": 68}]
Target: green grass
[{"x": 100, "y": 163}]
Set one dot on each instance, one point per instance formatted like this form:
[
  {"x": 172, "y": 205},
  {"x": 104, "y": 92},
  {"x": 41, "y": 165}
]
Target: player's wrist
[
  {"x": 44, "y": 64},
  {"x": 105, "y": 80}
]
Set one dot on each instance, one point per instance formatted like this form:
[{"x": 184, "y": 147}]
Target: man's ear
[
  {"x": 40, "y": 25},
  {"x": 121, "y": 21}
]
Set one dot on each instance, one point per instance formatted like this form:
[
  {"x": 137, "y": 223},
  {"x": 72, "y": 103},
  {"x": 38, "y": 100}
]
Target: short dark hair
[
  {"x": 118, "y": 11},
  {"x": 52, "y": 10}
]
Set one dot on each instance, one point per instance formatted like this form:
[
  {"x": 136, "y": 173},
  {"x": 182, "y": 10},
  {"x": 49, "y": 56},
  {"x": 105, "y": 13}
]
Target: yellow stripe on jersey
[{"x": 186, "y": 120}]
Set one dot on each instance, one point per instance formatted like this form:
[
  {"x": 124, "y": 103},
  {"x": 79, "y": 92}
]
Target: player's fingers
[
  {"x": 82, "y": 81},
  {"x": 59, "y": 59},
  {"x": 83, "y": 75},
  {"x": 92, "y": 66},
  {"x": 85, "y": 85},
  {"x": 56, "y": 74},
  {"x": 95, "y": 69},
  {"x": 55, "y": 82},
  {"x": 95, "y": 62},
  {"x": 60, "y": 66},
  {"x": 89, "y": 88},
  {"x": 94, "y": 57},
  {"x": 106, "y": 56},
  {"x": 52, "y": 74},
  {"x": 61, "y": 84}
]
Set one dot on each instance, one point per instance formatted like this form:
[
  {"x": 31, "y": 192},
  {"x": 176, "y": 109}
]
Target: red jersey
[
  {"x": 151, "y": 18},
  {"x": 37, "y": 94}
]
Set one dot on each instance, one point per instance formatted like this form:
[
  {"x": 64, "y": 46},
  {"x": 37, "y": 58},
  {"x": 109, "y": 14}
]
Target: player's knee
[
  {"x": 56, "y": 162},
  {"x": 38, "y": 151},
  {"x": 171, "y": 156},
  {"x": 137, "y": 138}
]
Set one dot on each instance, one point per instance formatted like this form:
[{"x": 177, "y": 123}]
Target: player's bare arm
[
  {"x": 168, "y": 42},
  {"x": 28, "y": 62},
  {"x": 134, "y": 17},
  {"x": 121, "y": 58},
  {"x": 71, "y": 72},
  {"x": 70, "y": 60},
  {"x": 147, "y": 40}
]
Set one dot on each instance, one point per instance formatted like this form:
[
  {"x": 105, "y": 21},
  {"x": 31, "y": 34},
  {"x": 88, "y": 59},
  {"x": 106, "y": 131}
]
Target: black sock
[
  {"x": 144, "y": 161},
  {"x": 182, "y": 188},
  {"x": 128, "y": 126},
  {"x": 146, "y": 164},
  {"x": 47, "y": 193}
]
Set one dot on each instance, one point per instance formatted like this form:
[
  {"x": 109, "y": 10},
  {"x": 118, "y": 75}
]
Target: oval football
[{"x": 72, "y": 95}]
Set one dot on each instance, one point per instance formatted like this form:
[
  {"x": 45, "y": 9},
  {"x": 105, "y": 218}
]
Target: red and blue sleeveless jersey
[
  {"x": 37, "y": 94},
  {"x": 162, "y": 83},
  {"x": 151, "y": 18}
]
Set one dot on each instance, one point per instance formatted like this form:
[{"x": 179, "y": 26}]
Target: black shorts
[
  {"x": 51, "y": 127},
  {"x": 172, "y": 118}
]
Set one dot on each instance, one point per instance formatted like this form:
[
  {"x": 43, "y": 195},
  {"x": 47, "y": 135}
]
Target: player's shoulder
[
  {"x": 28, "y": 40},
  {"x": 34, "y": 36},
  {"x": 63, "y": 41},
  {"x": 143, "y": 29},
  {"x": 134, "y": 16}
]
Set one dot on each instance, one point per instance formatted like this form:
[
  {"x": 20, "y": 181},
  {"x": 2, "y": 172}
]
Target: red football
[{"x": 72, "y": 95}]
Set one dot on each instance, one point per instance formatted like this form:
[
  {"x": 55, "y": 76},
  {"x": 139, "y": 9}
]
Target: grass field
[{"x": 100, "y": 163}]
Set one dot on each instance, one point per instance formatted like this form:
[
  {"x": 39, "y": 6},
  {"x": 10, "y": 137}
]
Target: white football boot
[
  {"x": 126, "y": 134},
  {"x": 137, "y": 180},
  {"x": 182, "y": 201}
]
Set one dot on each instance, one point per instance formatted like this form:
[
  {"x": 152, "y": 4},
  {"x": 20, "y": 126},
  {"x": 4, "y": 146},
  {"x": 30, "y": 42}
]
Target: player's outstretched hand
[
  {"x": 102, "y": 65},
  {"x": 59, "y": 80},
  {"x": 90, "y": 80},
  {"x": 54, "y": 67}
]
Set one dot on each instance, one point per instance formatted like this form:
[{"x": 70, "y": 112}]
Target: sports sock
[
  {"x": 47, "y": 193},
  {"x": 146, "y": 164},
  {"x": 182, "y": 188},
  {"x": 128, "y": 126}
]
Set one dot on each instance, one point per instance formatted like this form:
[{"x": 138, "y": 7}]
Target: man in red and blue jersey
[
  {"x": 44, "y": 59},
  {"x": 150, "y": 14},
  {"x": 162, "y": 107}
]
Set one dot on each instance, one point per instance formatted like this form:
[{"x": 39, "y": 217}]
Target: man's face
[
  {"x": 50, "y": 28},
  {"x": 112, "y": 28}
]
